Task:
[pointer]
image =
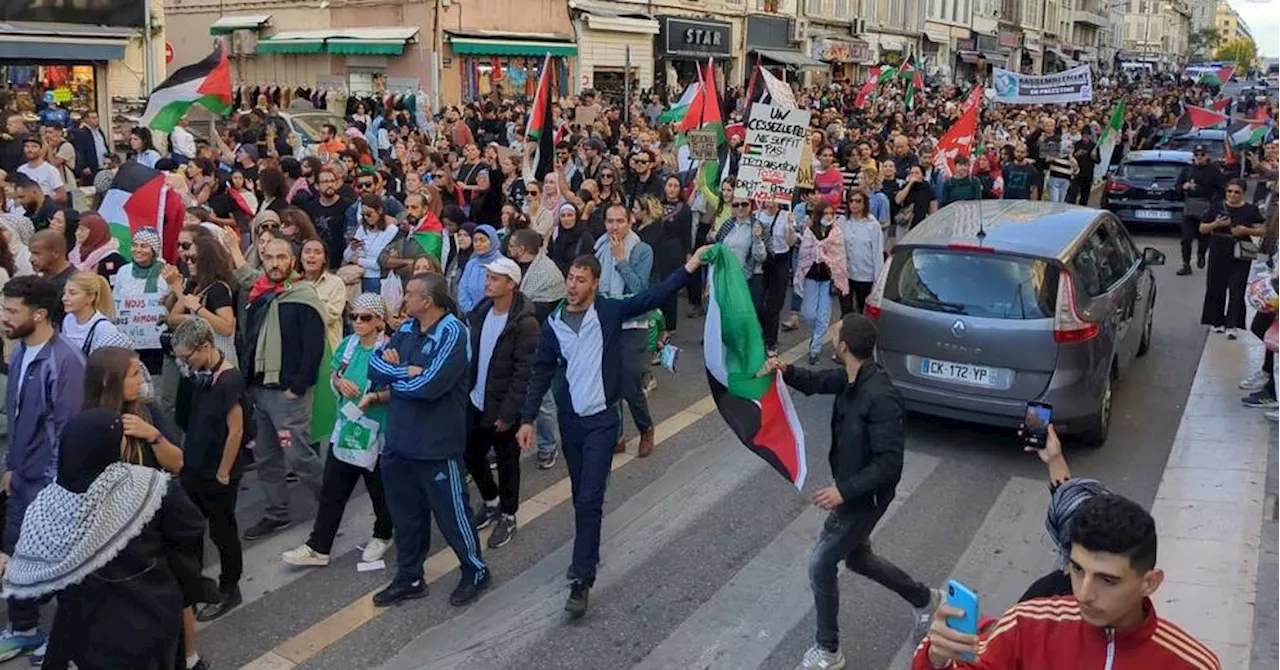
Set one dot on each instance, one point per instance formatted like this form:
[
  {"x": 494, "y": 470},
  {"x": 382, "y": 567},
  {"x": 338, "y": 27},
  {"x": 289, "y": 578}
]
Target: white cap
[{"x": 506, "y": 267}]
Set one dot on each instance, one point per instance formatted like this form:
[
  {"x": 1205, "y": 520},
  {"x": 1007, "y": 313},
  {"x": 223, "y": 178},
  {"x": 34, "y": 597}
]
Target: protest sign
[
  {"x": 771, "y": 157},
  {"x": 702, "y": 145},
  {"x": 1074, "y": 85},
  {"x": 139, "y": 317}
]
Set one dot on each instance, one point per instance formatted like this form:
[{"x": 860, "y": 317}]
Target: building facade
[
  {"x": 1230, "y": 25},
  {"x": 1156, "y": 33}
]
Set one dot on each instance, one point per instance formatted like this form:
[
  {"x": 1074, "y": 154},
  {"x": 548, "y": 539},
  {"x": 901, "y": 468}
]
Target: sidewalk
[{"x": 1210, "y": 507}]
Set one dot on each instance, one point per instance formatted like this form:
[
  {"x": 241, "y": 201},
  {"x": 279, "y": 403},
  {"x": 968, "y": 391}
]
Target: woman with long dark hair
[
  {"x": 207, "y": 293},
  {"x": 820, "y": 267},
  {"x": 676, "y": 242},
  {"x": 142, "y": 148},
  {"x": 570, "y": 238}
]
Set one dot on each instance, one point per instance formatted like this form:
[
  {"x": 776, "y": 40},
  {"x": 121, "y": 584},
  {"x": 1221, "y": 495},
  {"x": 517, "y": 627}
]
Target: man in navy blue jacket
[
  {"x": 580, "y": 352},
  {"x": 426, "y": 365}
]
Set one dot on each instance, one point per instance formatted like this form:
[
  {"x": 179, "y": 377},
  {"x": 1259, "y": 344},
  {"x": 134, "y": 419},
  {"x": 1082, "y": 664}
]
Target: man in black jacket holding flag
[{"x": 868, "y": 433}]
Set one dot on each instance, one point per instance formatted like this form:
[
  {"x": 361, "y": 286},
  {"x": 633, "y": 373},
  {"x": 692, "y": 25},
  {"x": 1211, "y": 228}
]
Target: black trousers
[
  {"x": 1079, "y": 189},
  {"x": 1225, "y": 283},
  {"x": 1191, "y": 234},
  {"x": 218, "y": 505},
  {"x": 479, "y": 440},
  {"x": 856, "y": 297},
  {"x": 335, "y": 490},
  {"x": 777, "y": 285},
  {"x": 1261, "y": 323}
]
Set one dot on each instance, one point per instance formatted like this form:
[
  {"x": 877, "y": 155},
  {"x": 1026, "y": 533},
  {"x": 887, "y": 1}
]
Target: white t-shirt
[
  {"x": 45, "y": 175},
  {"x": 104, "y": 335},
  {"x": 27, "y": 357},
  {"x": 493, "y": 326}
]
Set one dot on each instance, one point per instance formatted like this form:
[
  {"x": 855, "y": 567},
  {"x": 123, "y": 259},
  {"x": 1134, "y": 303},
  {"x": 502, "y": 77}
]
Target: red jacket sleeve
[{"x": 998, "y": 647}]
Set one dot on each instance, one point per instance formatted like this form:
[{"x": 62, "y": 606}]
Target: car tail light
[
  {"x": 1068, "y": 326},
  {"x": 872, "y": 307},
  {"x": 1114, "y": 186},
  {"x": 960, "y": 246}
]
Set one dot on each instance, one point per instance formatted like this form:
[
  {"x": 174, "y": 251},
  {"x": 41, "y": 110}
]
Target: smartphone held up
[{"x": 1035, "y": 425}]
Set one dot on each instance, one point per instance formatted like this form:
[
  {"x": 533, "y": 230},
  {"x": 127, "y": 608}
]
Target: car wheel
[
  {"x": 1096, "y": 434},
  {"x": 1145, "y": 345}
]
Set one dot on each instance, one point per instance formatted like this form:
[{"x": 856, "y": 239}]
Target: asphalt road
[{"x": 705, "y": 552}]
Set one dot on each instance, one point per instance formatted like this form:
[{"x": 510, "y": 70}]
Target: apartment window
[
  {"x": 814, "y": 8},
  {"x": 933, "y": 9},
  {"x": 964, "y": 12},
  {"x": 842, "y": 9}
]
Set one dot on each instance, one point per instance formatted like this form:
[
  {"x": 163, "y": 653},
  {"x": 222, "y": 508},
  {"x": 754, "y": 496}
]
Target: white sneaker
[
  {"x": 305, "y": 556},
  {"x": 1219, "y": 329},
  {"x": 375, "y": 550},
  {"x": 1233, "y": 333},
  {"x": 924, "y": 615},
  {"x": 818, "y": 658},
  {"x": 1255, "y": 381},
  {"x": 1273, "y": 415}
]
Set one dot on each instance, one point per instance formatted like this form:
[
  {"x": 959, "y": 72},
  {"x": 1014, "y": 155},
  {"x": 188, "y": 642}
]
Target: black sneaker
[
  {"x": 397, "y": 592},
  {"x": 568, "y": 574},
  {"x": 547, "y": 459},
  {"x": 200, "y": 665},
  {"x": 265, "y": 528},
  {"x": 579, "y": 595},
  {"x": 1200, "y": 262},
  {"x": 485, "y": 514},
  {"x": 503, "y": 531},
  {"x": 230, "y": 600},
  {"x": 467, "y": 591},
  {"x": 1184, "y": 270}
]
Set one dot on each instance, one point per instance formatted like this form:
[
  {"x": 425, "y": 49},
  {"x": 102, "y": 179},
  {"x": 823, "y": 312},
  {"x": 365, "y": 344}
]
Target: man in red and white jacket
[{"x": 1109, "y": 623}]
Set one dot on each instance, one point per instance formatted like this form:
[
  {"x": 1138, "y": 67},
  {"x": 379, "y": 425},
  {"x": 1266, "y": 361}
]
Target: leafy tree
[
  {"x": 1242, "y": 51},
  {"x": 1201, "y": 43}
]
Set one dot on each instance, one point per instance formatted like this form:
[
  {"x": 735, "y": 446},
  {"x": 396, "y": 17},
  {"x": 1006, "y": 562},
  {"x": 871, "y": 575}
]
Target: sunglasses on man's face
[
  {"x": 363, "y": 318},
  {"x": 364, "y": 185},
  {"x": 185, "y": 246},
  {"x": 1234, "y": 190},
  {"x": 741, "y": 205}
]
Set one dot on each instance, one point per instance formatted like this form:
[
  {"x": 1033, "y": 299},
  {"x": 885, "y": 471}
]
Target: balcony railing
[{"x": 1091, "y": 18}]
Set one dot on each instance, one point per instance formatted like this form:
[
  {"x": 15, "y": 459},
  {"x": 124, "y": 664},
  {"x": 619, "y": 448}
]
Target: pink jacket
[{"x": 830, "y": 251}]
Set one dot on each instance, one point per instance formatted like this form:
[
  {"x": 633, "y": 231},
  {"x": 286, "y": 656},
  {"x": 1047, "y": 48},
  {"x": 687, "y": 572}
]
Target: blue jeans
[
  {"x": 588, "y": 454},
  {"x": 795, "y": 297},
  {"x": 846, "y": 536},
  {"x": 1057, "y": 189},
  {"x": 371, "y": 284},
  {"x": 546, "y": 424},
  {"x": 816, "y": 312}
]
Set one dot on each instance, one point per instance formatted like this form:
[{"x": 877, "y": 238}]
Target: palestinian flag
[
  {"x": 539, "y": 131},
  {"x": 868, "y": 88},
  {"x": 430, "y": 236},
  {"x": 1250, "y": 133},
  {"x": 915, "y": 82},
  {"x": 1108, "y": 141},
  {"x": 757, "y": 409},
  {"x": 1222, "y": 105},
  {"x": 1195, "y": 118},
  {"x": 138, "y": 198},
  {"x": 709, "y": 119},
  {"x": 958, "y": 140},
  {"x": 207, "y": 83},
  {"x": 1218, "y": 77},
  {"x": 678, "y": 110},
  {"x": 885, "y": 74}
]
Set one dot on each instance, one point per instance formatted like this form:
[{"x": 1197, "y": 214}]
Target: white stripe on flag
[
  {"x": 797, "y": 431},
  {"x": 112, "y": 208},
  {"x": 187, "y": 91},
  {"x": 712, "y": 339}
]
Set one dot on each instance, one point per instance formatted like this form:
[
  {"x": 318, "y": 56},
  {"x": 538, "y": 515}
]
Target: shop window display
[
  {"x": 23, "y": 87},
  {"x": 518, "y": 76}
]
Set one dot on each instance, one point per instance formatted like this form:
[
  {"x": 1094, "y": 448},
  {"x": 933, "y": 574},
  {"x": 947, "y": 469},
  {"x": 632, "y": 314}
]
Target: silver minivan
[{"x": 985, "y": 306}]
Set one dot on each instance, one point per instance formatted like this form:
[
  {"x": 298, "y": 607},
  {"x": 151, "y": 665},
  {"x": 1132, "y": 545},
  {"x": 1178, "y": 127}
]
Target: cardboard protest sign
[{"x": 772, "y": 155}]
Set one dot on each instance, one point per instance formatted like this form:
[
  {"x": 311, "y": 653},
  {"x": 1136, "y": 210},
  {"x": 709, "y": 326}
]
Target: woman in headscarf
[
  {"x": 17, "y": 231},
  {"x": 95, "y": 250},
  {"x": 486, "y": 249},
  {"x": 459, "y": 253},
  {"x": 140, "y": 280},
  {"x": 119, "y": 544},
  {"x": 570, "y": 239}
]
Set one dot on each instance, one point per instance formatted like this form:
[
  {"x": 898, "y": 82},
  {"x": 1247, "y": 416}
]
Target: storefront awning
[
  {"x": 622, "y": 24},
  {"x": 493, "y": 46},
  {"x": 63, "y": 42},
  {"x": 342, "y": 41},
  {"x": 371, "y": 41},
  {"x": 936, "y": 37},
  {"x": 970, "y": 57},
  {"x": 792, "y": 58},
  {"x": 229, "y": 24}
]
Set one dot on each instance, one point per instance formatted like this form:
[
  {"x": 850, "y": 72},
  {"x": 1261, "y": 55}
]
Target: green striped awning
[
  {"x": 497, "y": 47},
  {"x": 290, "y": 46},
  {"x": 366, "y": 47},
  {"x": 229, "y": 24}
]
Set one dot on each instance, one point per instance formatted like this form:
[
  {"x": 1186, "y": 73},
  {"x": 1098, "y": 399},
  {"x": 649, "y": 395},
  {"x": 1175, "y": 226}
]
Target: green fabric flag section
[
  {"x": 1107, "y": 143},
  {"x": 432, "y": 243},
  {"x": 324, "y": 404},
  {"x": 741, "y": 352}
]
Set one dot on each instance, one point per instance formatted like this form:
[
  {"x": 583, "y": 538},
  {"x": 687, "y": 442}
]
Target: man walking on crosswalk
[{"x": 867, "y": 440}]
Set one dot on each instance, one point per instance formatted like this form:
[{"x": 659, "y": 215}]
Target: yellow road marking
[{"x": 310, "y": 642}]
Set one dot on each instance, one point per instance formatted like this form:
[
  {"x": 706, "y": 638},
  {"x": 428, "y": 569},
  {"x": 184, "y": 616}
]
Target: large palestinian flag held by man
[
  {"x": 207, "y": 83},
  {"x": 539, "y": 139},
  {"x": 758, "y": 409},
  {"x": 139, "y": 198}
]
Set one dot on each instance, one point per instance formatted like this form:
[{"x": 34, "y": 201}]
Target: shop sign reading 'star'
[{"x": 771, "y": 156}]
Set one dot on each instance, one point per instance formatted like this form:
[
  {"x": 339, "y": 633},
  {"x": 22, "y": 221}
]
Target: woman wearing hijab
[
  {"x": 485, "y": 249},
  {"x": 459, "y": 253},
  {"x": 96, "y": 250},
  {"x": 570, "y": 239},
  {"x": 119, "y": 544},
  {"x": 17, "y": 231},
  {"x": 140, "y": 280}
]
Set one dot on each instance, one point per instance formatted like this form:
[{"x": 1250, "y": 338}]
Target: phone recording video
[{"x": 1035, "y": 425}]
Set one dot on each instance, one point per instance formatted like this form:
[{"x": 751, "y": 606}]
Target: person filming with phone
[
  {"x": 868, "y": 433},
  {"x": 1109, "y": 618}
]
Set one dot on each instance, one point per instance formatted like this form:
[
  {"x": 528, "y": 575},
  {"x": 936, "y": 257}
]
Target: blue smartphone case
[{"x": 961, "y": 597}]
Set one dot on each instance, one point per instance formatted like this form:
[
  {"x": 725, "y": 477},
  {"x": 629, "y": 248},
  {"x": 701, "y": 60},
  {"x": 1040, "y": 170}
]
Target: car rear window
[
  {"x": 984, "y": 285},
  {"x": 1217, "y": 150},
  {"x": 1151, "y": 171}
]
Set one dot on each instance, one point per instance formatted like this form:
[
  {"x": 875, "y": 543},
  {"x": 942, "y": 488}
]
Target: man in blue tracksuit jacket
[
  {"x": 426, "y": 367},
  {"x": 580, "y": 360}
]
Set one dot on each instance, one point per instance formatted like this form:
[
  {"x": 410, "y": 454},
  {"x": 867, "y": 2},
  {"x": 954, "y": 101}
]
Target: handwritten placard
[
  {"x": 139, "y": 317},
  {"x": 702, "y": 145},
  {"x": 776, "y": 138}
]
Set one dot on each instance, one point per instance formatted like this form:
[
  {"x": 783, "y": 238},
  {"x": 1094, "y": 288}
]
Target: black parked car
[
  {"x": 1213, "y": 139},
  {"x": 1144, "y": 190}
]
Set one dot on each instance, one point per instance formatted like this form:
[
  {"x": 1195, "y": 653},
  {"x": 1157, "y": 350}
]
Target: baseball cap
[
  {"x": 505, "y": 267},
  {"x": 31, "y": 138},
  {"x": 1200, "y": 149}
]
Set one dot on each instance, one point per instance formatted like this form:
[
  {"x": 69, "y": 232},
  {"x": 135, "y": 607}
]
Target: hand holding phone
[
  {"x": 1035, "y": 425},
  {"x": 962, "y": 598}
]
